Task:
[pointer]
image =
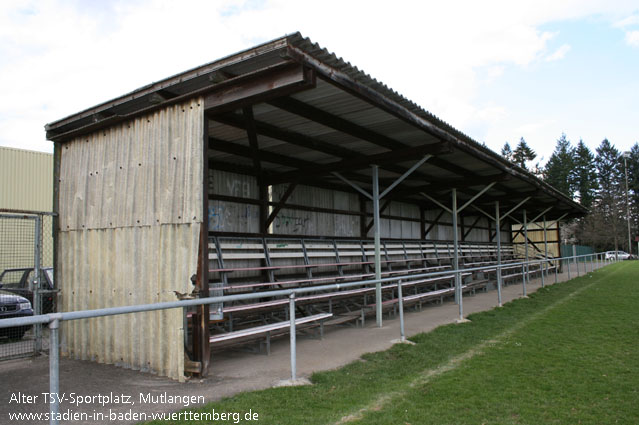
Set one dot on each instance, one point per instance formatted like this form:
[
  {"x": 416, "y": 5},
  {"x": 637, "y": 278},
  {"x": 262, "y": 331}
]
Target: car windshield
[
  {"x": 10, "y": 279},
  {"x": 49, "y": 273}
]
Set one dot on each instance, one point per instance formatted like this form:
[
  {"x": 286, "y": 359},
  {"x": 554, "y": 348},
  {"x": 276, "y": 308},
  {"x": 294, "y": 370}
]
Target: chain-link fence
[{"x": 27, "y": 286}]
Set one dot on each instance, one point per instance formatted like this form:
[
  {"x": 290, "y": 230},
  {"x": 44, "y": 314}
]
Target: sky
[{"x": 496, "y": 70}]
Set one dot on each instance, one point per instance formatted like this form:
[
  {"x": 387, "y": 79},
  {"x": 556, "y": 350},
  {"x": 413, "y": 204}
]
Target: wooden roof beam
[{"x": 364, "y": 161}]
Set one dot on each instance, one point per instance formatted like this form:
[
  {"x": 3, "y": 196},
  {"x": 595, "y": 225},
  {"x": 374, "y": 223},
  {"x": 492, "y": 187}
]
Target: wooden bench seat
[
  {"x": 269, "y": 330},
  {"x": 331, "y": 295}
]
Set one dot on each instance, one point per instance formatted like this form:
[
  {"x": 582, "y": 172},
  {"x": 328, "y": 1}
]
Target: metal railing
[
  {"x": 26, "y": 257},
  {"x": 596, "y": 260}
]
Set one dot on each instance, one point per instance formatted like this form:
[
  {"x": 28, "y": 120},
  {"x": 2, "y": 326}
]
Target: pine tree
[
  {"x": 609, "y": 200},
  {"x": 507, "y": 152},
  {"x": 633, "y": 186},
  {"x": 557, "y": 172},
  {"x": 523, "y": 153},
  {"x": 584, "y": 176}
]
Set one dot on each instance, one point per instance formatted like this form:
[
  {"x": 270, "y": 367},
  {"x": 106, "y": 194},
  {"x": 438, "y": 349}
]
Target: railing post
[
  {"x": 498, "y": 235},
  {"x": 377, "y": 237},
  {"x": 402, "y": 337},
  {"x": 568, "y": 264},
  {"x": 556, "y": 267},
  {"x": 541, "y": 264},
  {"x": 291, "y": 315},
  {"x": 577, "y": 264},
  {"x": 37, "y": 297},
  {"x": 54, "y": 371},
  {"x": 527, "y": 258},
  {"x": 458, "y": 282},
  {"x": 523, "y": 277}
]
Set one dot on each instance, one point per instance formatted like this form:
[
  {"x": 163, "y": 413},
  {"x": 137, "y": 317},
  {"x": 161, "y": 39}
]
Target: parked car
[
  {"x": 19, "y": 281},
  {"x": 613, "y": 255},
  {"x": 12, "y": 305}
]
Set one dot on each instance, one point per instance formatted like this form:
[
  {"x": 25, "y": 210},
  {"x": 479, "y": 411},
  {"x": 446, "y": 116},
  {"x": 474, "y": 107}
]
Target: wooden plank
[
  {"x": 267, "y": 328},
  {"x": 277, "y": 83}
]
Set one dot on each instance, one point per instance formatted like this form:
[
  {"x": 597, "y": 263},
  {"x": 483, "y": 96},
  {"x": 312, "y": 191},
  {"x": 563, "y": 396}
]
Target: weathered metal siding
[
  {"x": 443, "y": 231},
  {"x": 26, "y": 180},
  {"x": 536, "y": 236},
  {"x": 26, "y": 183},
  {"x": 296, "y": 222},
  {"x": 227, "y": 216},
  {"x": 477, "y": 235},
  {"x": 398, "y": 229},
  {"x": 130, "y": 216}
]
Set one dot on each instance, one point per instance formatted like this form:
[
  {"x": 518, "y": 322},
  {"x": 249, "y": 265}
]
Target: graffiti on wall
[
  {"x": 233, "y": 217},
  {"x": 290, "y": 223}
]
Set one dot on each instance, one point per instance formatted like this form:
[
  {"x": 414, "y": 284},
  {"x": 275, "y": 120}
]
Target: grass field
[{"x": 569, "y": 354}]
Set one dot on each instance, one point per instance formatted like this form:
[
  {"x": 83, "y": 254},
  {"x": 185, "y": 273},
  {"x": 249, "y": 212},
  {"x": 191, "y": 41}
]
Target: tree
[
  {"x": 633, "y": 187},
  {"x": 506, "y": 152},
  {"x": 523, "y": 153},
  {"x": 584, "y": 176},
  {"x": 557, "y": 172},
  {"x": 609, "y": 202}
]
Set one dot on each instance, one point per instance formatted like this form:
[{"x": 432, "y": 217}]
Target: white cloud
[
  {"x": 560, "y": 53},
  {"x": 58, "y": 57},
  {"x": 628, "y": 21},
  {"x": 632, "y": 38}
]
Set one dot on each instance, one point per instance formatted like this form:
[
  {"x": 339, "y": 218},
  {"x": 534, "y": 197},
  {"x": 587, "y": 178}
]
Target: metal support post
[
  {"x": 54, "y": 371},
  {"x": 458, "y": 289},
  {"x": 498, "y": 234},
  {"x": 545, "y": 246},
  {"x": 378, "y": 260},
  {"x": 576, "y": 260},
  {"x": 541, "y": 264},
  {"x": 402, "y": 336},
  {"x": 37, "y": 298},
  {"x": 568, "y": 264},
  {"x": 291, "y": 306},
  {"x": 525, "y": 252},
  {"x": 556, "y": 267}
]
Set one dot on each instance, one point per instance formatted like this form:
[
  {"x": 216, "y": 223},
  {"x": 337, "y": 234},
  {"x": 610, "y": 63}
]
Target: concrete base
[
  {"x": 462, "y": 320},
  {"x": 293, "y": 383},
  {"x": 399, "y": 341}
]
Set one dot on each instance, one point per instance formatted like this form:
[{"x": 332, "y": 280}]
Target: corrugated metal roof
[{"x": 343, "y": 91}]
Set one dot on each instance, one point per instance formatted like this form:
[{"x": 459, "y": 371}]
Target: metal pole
[
  {"x": 458, "y": 289},
  {"x": 54, "y": 371},
  {"x": 525, "y": 251},
  {"x": 37, "y": 299},
  {"x": 498, "y": 233},
  {"x": 625, "y": 167},
  {"x": 541, "y": 265},
  {"x": 291, "y": 314},
  {"x": 568, "y": 264},
  {"x": 378, "y": 261},
  {"x": 574, "y": 253},
  {"x": 556, "y": 267},
  {"x": 402, "y": 336},
  {"x": 545, "y": 246}
]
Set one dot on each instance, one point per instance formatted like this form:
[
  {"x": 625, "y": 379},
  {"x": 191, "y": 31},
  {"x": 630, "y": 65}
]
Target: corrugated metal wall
[
  {"x": 26, "y": 180},
  {"x": 397, "y": 229},
  {"x": 130, "y": 215},
  {"x": 233, "y": 216},
  {"x": 26, "y": 183},
  {"x": 296, "y": 222},
  {"x": 536, "y": 235},
  {"x": 445, "y": 230}
]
